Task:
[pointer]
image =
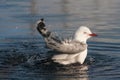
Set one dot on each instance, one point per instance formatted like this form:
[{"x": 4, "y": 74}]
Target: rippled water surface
[{"x": 23, "y": 52}]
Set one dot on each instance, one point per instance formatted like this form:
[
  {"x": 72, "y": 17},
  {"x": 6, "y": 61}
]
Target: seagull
[{"x": 70, "y": 50}]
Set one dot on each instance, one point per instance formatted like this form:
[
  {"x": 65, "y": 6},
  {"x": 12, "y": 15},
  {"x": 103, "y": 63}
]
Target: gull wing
[
  {"x": 56, "y": 43},
  {"x": 70, "y": 47}
]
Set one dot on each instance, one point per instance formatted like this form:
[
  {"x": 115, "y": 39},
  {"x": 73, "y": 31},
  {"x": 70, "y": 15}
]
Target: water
[{"x": 22, "y": 47}]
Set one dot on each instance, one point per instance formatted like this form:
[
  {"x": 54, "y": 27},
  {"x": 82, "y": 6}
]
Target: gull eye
[{"x": 85, "y": 32}]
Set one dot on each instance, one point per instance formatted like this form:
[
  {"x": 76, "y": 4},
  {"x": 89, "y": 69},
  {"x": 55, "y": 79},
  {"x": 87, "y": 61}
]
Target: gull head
[{"x": 83, "y": 33}]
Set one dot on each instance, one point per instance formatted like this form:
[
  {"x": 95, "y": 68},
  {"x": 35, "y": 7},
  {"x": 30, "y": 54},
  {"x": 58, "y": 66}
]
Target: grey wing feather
[
  {"x": 66, "y": 47},
  {"x": 73, "y": 47}
]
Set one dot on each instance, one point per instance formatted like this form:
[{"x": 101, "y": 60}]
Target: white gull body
[
  {"x": 81, "y": 35},
  {"x": 72, "y": 51}
]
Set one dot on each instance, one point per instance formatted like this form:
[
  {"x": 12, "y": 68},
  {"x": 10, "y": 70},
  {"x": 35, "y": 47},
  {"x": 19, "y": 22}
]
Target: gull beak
[{"x": 93, "y": 34}]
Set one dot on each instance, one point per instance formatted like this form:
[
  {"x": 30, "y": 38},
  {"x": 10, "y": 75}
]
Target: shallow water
[{"x": 22, "y": 48}]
